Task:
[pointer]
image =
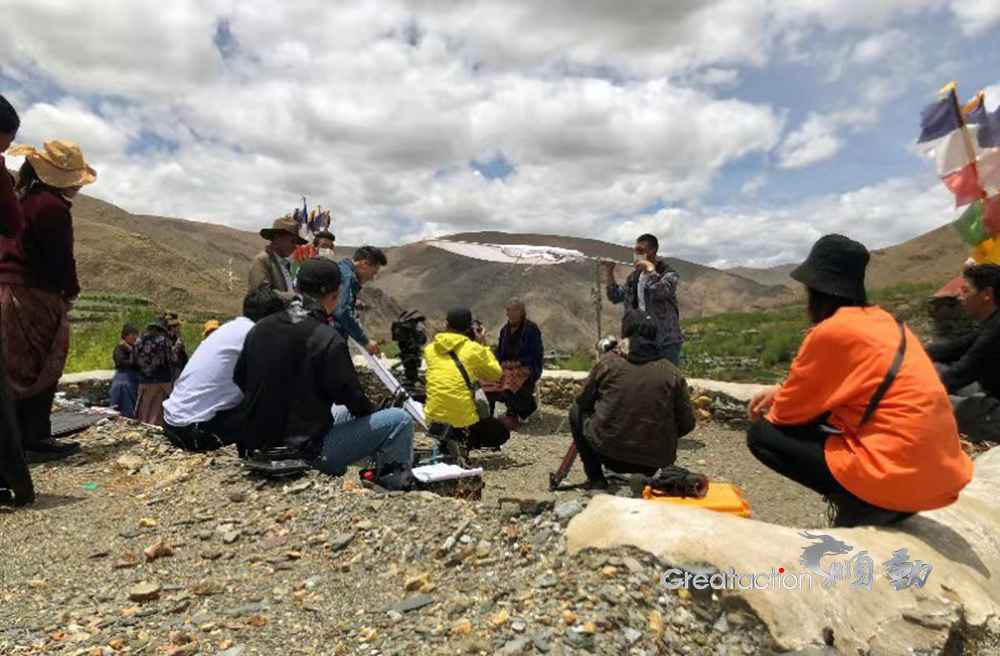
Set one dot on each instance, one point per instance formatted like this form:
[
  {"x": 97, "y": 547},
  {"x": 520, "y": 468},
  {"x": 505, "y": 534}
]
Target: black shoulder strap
[
  {"x": 889, "y": 377},
  {"x": 461, "y": 369}
]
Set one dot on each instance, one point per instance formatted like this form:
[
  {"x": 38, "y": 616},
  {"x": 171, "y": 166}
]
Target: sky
[{"x": 737, "y": 131}]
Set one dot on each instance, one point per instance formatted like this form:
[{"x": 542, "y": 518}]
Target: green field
[
  {"x": 96, "y": 322},
  {"x": 759, "y": 346},
  {"x": 755, "y": 346}
]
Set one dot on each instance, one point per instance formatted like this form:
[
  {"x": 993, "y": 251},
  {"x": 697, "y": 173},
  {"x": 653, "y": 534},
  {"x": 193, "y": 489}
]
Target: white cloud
[
  {"x": 877, "y": 215},
  {"x": 376, "y": 108},
  {"x": 976, "y": 16},
  {"x": 813, "y": 141},
  {"x": 752, "y": 186}
]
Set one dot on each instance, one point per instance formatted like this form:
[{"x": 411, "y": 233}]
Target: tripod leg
[{"x": 557, "y": 477}]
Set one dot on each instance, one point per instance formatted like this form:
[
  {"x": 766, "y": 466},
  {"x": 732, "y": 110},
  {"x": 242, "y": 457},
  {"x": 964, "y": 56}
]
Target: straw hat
[
  {"x": 59, "y": 164},
  {"x": 286, "y": 224},
  {"x": 210, "y": 327}
]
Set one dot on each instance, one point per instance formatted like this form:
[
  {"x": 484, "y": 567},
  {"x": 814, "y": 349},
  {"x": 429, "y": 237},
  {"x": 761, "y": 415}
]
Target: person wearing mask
[
  {"x": 16, "y": 485},
  {"x": 156, "y": 356},
  {"x": 200, "y": 413},
  {"x": 270, "y": 267},
  {"x": 862, "y": 417},
  {"x": 521, "y": 355},
  {"x": 323, "y": 243},
  {"x": 294, "y": 368},
  {"x": 632, "y": 409},
  {"x": 969, "y": 365},
  {"x": 356, "y": 273},
  {"x": 455, "y": 359},
  {"x": 125, "y": 384},
  {"x": 38, "y": 283},
  {"x": 651, "y": 288}
]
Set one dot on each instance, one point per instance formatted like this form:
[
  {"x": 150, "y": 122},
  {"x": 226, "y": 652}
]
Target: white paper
[{"x": 443, "y": 472}]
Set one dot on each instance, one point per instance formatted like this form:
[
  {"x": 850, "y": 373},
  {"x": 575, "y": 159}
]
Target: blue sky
[{"x": 739, "y": 131}]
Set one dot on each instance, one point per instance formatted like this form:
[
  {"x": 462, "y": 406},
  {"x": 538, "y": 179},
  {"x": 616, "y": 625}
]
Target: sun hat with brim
[
  {"x": 283, "y": 225},
  {"x": 836, "y": 265},
  {"x": 58, "y": 164},
  {"x": 209, "y": 326}
]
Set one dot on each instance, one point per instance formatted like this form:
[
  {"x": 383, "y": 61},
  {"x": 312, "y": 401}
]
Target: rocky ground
[{"x": 137, "y": 548}]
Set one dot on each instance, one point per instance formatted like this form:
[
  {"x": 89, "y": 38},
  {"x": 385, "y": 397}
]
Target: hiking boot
[
  {"x": 844, "y": 511},
  {"x": 511, "y": 422},
  {"x": 598, "y": 485},
  {"x": 49, "y": 450}
]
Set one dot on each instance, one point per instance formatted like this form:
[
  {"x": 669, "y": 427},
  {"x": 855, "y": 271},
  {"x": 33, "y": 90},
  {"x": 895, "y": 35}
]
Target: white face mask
[{"x": 325, "y": 253}]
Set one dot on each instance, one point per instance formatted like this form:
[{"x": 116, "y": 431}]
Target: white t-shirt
[{"x": 206, "y": 385}]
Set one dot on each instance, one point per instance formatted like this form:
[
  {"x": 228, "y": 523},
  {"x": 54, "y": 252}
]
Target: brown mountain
[
  {"x": 936, "y": 257},
  {"x": 558, "y": 297}
]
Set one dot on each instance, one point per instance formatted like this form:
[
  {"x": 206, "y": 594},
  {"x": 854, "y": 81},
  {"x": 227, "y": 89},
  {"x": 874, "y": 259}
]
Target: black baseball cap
[
  {"x": 319, "y": 274},
  {"x": 460, "y": 319}
]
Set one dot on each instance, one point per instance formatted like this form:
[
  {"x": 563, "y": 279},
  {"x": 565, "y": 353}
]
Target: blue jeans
[
  {"x": 672, "y": 352},
  {"x": 388, "y": 434}
]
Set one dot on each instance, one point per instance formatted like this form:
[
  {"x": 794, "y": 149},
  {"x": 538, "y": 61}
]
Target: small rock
[
  {"x": 301, "y": 486},
  {"x": 207, "y": 588},
  {"x": 548, "y": 581},
  {"x": 415, "y": 582},
  {"x": 147, "y": 522},
  {"x": 515, "y": 646},
  {"x": 340, "y": 541},
  {"x": 609, "y": 572},
  {"x": 632, "y": 636},
  {"x": 395, "y": 616},
  {"x": 518, "y": 626},
  {"x": 229, "y": 537},
  {"x": 500, "y": 618},
  {"x": 462, "y": 626},
  {"x": 233, "y": 651},
  {"x": 530, "y": 503},
  {"x": 413, "y": 603},
  {"x": 568, "y": 509},
  {"x": 158, "y": 550},
  {"x": 238, "y": 496},
  {"x": 144, "y": 592},
  {"x": 569, "y": 617},
  {"x": 655, "y": 624},
  {"x": 541, "y": 643},
  {"x": 721, "y": 625},
  {"x": 364, "y": 525}
]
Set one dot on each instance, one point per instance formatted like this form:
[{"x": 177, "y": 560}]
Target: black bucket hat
[
  {"x": 836, "y": 265},
  {"x": 459, "y": 319}
]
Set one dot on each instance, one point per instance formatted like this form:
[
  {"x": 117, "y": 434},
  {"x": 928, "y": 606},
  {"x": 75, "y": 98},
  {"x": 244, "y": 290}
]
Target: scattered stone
[
  {"x": 340, "y": 541},
  {"x": 415, "y": 602},
  {"x": 722, "y": 624},
  {"x": 541, "y": 643},
  {"x": 145, "y": 591},
  {"x": 462, "y": 626},
  {"x": 531, "y": 503},
  {"x": 301, "y": 486},
  {"x": 518, "y": 626},
  {"x": 655, "y": 624},
  {"x": 569, "y": 617},
  {"x": 515, "y": 646},
  {"x": 207, "y": 588},
  {"x": 229, "y": 537},
  {"x": 632, "y": 636},
  {"x": 415, "y": 582},
  {"x": 568, "y": 509},
  {"x": 147, "y": 522},
  {"x": 158, "y": 550},
  {"x": 501, "y": 618},
  {"x": 238, "y": 496}
]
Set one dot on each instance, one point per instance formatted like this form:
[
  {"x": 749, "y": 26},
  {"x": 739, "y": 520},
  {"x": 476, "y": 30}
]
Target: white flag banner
[{"x": 511, "y": 253}]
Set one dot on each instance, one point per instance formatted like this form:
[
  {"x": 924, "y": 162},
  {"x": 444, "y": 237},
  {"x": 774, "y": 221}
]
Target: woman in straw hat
[
  {"x": 14, "y": 474},
  {"x": 37, "y": 284}
]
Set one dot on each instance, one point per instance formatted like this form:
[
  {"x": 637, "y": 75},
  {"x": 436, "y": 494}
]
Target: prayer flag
[
  {"x": 991, "y": 214},
  {"x": 987, "y": 252},
  {"x": 989, "y": 169},
  {"x": 964, "y": 184},
  {"x": 970, "y": 224},
  {"x": 939, "y": 118}
]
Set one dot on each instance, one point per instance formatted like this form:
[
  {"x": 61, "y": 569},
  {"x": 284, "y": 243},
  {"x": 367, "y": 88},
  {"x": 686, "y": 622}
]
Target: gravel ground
[{"x": 235, "y": 565}]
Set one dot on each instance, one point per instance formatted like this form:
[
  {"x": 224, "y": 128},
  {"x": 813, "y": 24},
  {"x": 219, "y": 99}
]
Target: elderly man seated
[{"x": 521, "y": 354}]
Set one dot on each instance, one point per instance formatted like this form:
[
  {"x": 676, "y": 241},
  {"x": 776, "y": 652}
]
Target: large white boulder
[{"x": 961, "y": 543}]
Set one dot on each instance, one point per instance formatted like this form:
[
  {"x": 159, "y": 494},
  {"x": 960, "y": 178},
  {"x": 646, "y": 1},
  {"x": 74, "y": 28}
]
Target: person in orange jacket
[{"x": 862, "y": 418}]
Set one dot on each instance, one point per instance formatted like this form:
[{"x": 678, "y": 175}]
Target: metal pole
[{"x": 597, "y": 300}]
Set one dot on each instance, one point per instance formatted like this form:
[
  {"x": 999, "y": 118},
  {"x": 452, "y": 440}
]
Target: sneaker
[
  {"x": 598, "y": 485},
  {"x": 49, "y": 450}
]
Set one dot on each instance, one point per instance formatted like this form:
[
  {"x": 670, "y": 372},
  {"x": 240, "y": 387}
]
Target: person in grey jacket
[{"x": 651, "y": 288}]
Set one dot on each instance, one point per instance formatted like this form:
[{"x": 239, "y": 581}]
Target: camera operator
[{"x": 456, "y": 358}]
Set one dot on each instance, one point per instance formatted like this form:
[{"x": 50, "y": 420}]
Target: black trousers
[
  {"x": 521, "y": 404},
  {"x": 34, "y": 417},
  {"x": 220, "y": 430},
  {"x": 14, "y": 473},
  {"x": 593, "y": 462},
  {"x": 798, "y": 453}
]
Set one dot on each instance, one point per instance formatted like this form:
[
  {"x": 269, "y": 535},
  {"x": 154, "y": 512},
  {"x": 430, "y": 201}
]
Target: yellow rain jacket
[{"x": 448, "y": 398}]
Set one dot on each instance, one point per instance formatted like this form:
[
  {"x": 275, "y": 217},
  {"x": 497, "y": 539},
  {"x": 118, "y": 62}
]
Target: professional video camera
[{"x": 409, "y": 335}]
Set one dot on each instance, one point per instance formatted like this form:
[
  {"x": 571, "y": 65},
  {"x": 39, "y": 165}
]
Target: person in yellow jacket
[{"x": 449, "y": 400}]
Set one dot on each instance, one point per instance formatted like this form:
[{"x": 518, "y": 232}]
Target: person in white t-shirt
[{"x": 197, "y": 416}]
